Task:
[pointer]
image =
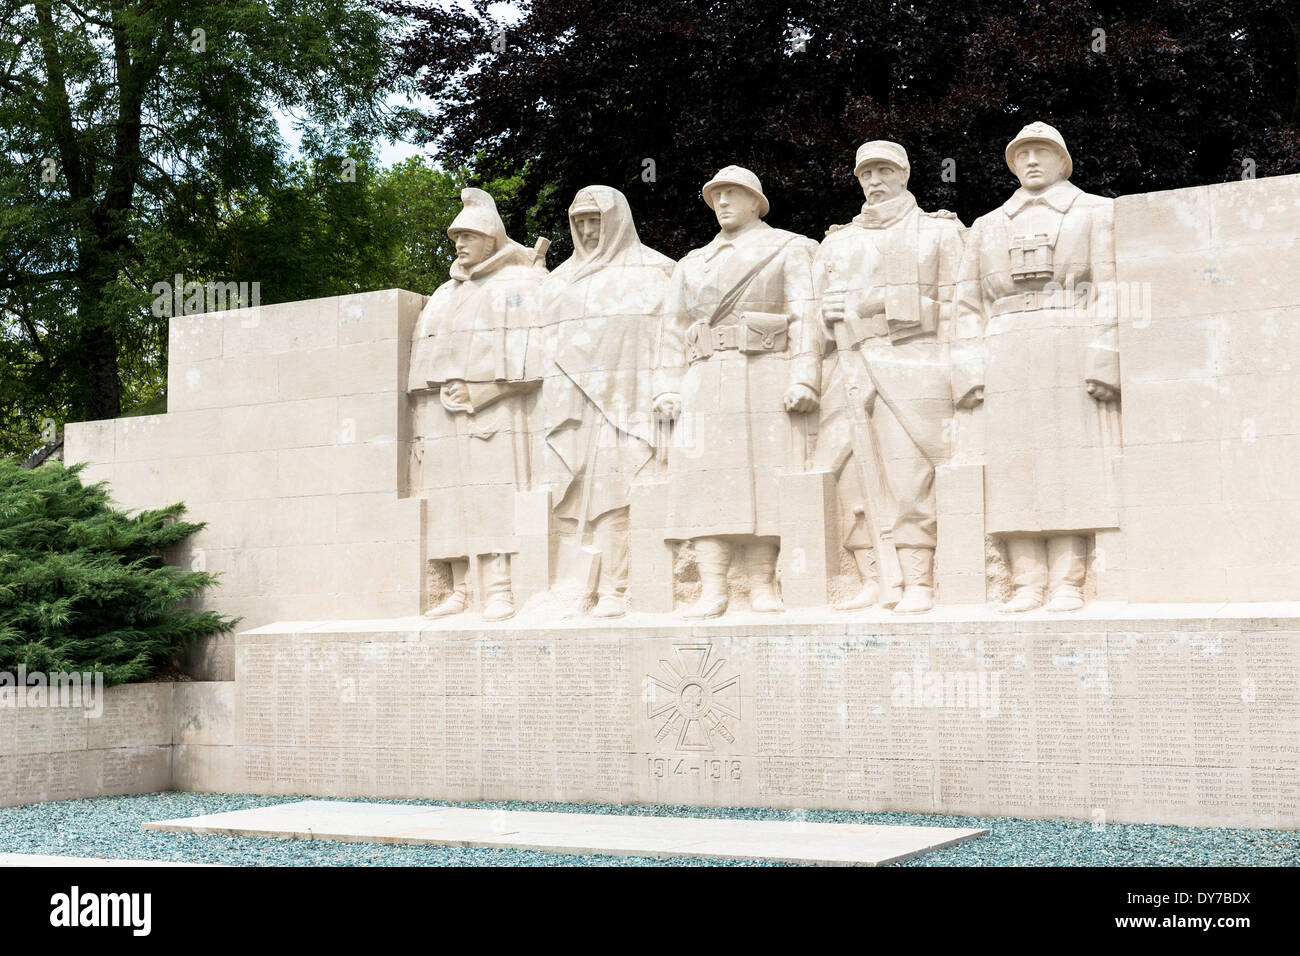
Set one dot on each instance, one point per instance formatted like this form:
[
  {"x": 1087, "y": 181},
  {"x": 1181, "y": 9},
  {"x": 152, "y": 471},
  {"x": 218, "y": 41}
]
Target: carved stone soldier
[
  {"x": 738, "y": 354},
  {"x": 1037, "y": 315},
  {"x": 601, "y": 310},
  {"x": 885, "y": 285},
  {"x": 468, "y": 360}
]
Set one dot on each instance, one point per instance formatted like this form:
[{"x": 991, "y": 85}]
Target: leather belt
[{"x": 1035, "y": 300}]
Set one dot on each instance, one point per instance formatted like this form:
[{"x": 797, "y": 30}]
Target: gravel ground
[{"x": 110, "y": 827}]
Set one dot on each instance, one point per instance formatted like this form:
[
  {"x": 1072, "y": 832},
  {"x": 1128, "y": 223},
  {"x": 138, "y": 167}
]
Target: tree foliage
[
  {"x": 119, "y": 120},
  {"x": 84, "y": 586},
  {"x": 1169, "y": 93}
]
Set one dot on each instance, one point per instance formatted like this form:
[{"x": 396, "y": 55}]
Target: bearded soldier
[
  {"x": 468, "y": 363},
  {"x": 601, "y": 311},
  {"x": 1040, "y": 328},
  {"x": 738, "y": 354},
  {"x": 885, "y": 283}
]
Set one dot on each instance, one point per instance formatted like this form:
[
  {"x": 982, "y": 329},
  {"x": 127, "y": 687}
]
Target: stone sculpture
[
  {"x": 470, "y": 346},
  {"x": 601, "y": 309},
  {"x": 739, "y": 361},
  {"x": 1035, "y": 311},
  {"x": 885, "y": 284}
]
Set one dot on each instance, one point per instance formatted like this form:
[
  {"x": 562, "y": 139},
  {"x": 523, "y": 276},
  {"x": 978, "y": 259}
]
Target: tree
[
  {"x": 121, "y": 118},
  {"x": 653, "y": 99},
  {"x": 84, "y": 587}
]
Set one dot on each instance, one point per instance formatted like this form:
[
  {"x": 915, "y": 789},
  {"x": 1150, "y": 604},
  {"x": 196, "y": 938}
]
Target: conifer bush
[{"x": 85, "y": 586}]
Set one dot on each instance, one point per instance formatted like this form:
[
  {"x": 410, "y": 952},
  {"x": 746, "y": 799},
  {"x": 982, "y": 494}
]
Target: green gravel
[{"x": 110, "y": 827}]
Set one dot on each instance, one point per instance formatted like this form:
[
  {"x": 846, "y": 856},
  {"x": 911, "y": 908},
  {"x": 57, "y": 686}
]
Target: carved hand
[
  {"x": 800, "y": 398},
  {"x": 668, "y": 406},
  {"x": 833, "y": 307},
  {"x": 1103, "y": 392},
  {"x": 457, "y": 393},
  {"x": 972, "y": 398}
]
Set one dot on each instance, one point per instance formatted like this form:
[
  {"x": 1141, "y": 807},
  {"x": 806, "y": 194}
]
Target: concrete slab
[{"x": 823, "y": 844}]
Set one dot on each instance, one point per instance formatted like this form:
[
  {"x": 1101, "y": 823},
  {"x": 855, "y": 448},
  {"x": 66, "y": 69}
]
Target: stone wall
[
  {"x": 1211, "y": 385},
  {"x": 284, "y": 432},
  {"x": 1144, "y": 717},
  {"x": 149, "y": 737}
]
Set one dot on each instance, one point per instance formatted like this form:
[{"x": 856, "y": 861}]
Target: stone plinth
[{"x": 1159, "y": 714}]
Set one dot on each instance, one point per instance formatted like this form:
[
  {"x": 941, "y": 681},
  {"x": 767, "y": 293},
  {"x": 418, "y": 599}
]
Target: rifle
[{"x": 866, "y": 453}]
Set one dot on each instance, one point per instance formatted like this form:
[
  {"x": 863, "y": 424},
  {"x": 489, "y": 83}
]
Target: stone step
[{"x": 793, "y": 841}]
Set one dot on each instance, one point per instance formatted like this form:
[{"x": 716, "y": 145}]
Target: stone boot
[
  {"x": 713, "y": 556},
  {"x": 458, "y": 600},
  {"x": 1027, "y": 556},
  {"x": 609, "y": 605},
  {"x": 499, "y": 600},
  {"x": 611, "y": 589},
  {"x": 1066, "y": 569},
  {"x": 918, "y": 580},
  {"x": 760, "y": 567},
  {"x": 869, "y": 593}
]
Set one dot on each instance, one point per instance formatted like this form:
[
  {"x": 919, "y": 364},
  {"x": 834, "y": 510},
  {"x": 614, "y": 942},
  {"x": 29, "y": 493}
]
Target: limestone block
[
  {"x": 203, "y": 769},
  {"x": 809, "y": 554},
  {"x": 530, "y": 567},
  {"x": 365, "y": 418},
  {"x": 1173, "y": 473},
  {"x": 1148, "y": 223},
  {"x": 135, "y": 716},
  {"x": 203, "y": 713},
  {"x": 376, "y": 316},
  {"x": 248, "y": 379},
  {"x": 650, "y": 557},
  {"x": 1261, "y": 342},
  {"x": 90, "y": 442},
  {"x": 1252, "y": 212},
  {"x": 284, "y": 327},
  {"x": 195, "y": 338},
  {"x": 336, "y": 469},
  {"x": 139, "y": 769},
  {"x": 212, "y": 658},
  {"x": 1109, "y": 565},
  {"x": 239, "y": 475},
  {"x": 134, "y": 485},
  {"x": 1175, "y": 348},
  {"x": 1171, "y": 411},
  {"x": 375, "y": 516},
  {"x": 280, "y": 425}
]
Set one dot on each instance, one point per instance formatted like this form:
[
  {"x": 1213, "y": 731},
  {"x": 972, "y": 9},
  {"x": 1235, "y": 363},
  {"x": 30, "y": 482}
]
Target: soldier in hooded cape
[
  {"x": 1037, "y": 325},
  {"x": 738, "y": 354},
  {"x": 885, "y": 285},
  {"x": 601, "y": 310},
  {"x": 468, "y": 358}
]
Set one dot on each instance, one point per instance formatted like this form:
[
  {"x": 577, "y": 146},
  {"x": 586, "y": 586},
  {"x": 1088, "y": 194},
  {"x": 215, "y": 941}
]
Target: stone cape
[{"x": 596, "y": 353}]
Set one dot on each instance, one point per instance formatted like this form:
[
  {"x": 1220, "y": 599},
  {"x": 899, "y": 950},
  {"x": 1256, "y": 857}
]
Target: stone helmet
[
  {"x": 736, "y": 176},
  {"x": 880, "y": 149},
  {"x": 1041, "y": 133},
  {"x": 478, "y": 215}
]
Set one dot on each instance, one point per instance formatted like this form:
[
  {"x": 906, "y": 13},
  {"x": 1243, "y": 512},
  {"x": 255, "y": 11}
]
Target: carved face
[
  {"x": 587, "y": 226},
  {"x": 735, "y": 206},
  {"x": 881, "y": 180},
  {"x": 472, "y": 247},
  {"x": 1039, "y": 165}
]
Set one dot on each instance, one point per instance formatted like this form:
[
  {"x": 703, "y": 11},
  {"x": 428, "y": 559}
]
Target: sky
[{"x": 389, "y": 153}]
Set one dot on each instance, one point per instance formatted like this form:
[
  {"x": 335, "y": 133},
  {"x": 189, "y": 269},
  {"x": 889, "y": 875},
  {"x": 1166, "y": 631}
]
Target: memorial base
[{"x": 1141, "y": 713}]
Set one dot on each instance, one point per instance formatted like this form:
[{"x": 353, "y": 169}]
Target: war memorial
[{"x": 991, "y": 518}]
